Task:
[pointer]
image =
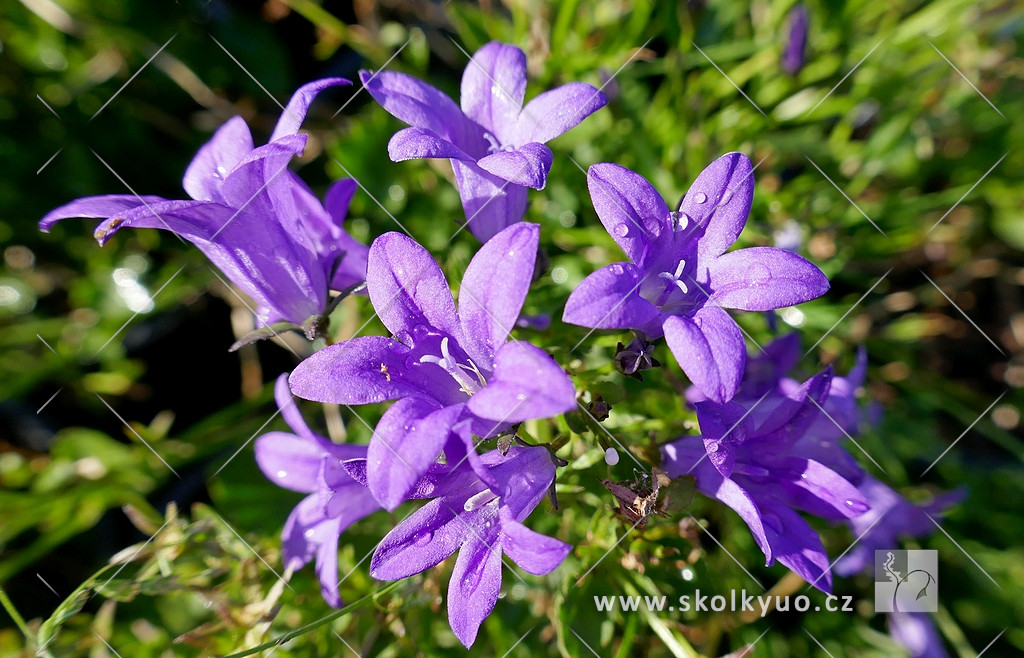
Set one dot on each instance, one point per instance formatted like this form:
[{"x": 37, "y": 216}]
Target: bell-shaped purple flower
[
  {"x": 495, "y": 144},
  {"x": 916, "y": 632},
  {"x": 481, "y": 520},
  {"x": 766, "y": 375},
  {"x": 310, "y": 463},
  {"x": 680, "y": 279},
  {"x": 453, "y": 373},
  {"x": 252, "y": 217},
  {"x": 891, "y": 517},
  {"x": 796, "y": 40},
  {"x": 748, "y": 461}
]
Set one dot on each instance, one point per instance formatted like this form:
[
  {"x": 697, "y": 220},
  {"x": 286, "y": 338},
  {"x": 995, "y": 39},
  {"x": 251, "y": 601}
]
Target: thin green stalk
[
  {"x": 15, "y": 615},
  {"x": 281, "y": 639}
]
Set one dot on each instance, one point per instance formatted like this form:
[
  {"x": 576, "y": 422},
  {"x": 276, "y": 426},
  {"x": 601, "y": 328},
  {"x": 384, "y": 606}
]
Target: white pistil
[
  {"x": 676, "y": 278},
  {"x": 479, "y": 500},
  {"x": 456, "y": 370}
]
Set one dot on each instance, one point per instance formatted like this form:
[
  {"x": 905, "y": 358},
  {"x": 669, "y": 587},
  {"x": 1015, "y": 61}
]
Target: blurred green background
[{"x": 116, "y": 96}]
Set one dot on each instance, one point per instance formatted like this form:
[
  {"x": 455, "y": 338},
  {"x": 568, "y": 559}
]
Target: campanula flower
[
  {"x": 453, "y": 373},
  {"x": 495, "y": 144},
  {"x": 891, "y": 517},
  {"x": 796, "y": 40},
  {"x": 481, "y": 521},
  {"x": 679, "y": 278},
  {"x": 252, "y": 217},
  {"x": 747, "y": 462},
  {"x": 310, "y": 463},
  {"x": 916, "y": 632},
  {"x": 823, "y": 440}
]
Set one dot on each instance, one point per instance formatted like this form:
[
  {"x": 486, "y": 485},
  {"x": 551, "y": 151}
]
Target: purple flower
[
  {"x": 747, "y": 462},
  {"x": 631, "y": 359},
  {"x": 891, "y": 516},
  {"x": 252, "y": 217},
  {"x": 496, "y": 146},
  {"x": 680, "y": 278},
  {"x": 916, "y": 632},
  {"x": 765, "y": 376},
  {"x": 453, "y": 373},
  {"x": 310, "y": 463},
  {"x": 796, "y": 40},
  {"x": 482, "y": 520}
]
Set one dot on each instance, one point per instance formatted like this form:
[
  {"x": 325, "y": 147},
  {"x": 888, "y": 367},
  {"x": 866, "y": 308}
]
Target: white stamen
[{"x": 479, "y": 500}]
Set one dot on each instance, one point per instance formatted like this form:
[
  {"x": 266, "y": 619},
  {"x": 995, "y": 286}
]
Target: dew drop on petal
[
  {"x": 726, "y": 197},
  {"x": 857, "y": 506},
  {"x": 712, "y": 447},
  {"x": 423, "y": 538},
  {"x": 611, "y": 456},
  {"x": 521, "y": 397},
  {"x": 622, "y": 230},
  {"x": 758, "y": 275},
  {"x": 616, "y": 269},
  {"x": 282, "y": 474},
  {"x": 679, "y": 220},
  {"x": 700, "y": 197}
]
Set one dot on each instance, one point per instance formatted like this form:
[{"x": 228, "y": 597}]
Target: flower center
[
  {"x": 459, "y": 372},
  {"x": 674, "y": 278}
]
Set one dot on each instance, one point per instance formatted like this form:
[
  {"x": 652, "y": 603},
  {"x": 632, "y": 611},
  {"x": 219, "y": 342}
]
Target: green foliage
[{"x": 901, "y": 133}]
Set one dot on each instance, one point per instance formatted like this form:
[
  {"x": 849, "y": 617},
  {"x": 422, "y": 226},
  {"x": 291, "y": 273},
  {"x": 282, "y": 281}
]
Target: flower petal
[
  {"x": 473, "y": 588},
  {"x": 258, "y": 256},
  {"x": 339, "y": 196},
  {"x": 527, "y": 165},
  {"x": 361, "y": 370},
  {"x": 557, "y": 111},
  {"x": 493, "y": 87},
  {"x": 407, "y": 287},
  {"x": 527, "y": 383},
  {"x": 295, "y": 112},
  {"x": 423, "y": 540},
  {"x": 722, "y": 428},
  {"x": 489, "y": 305},
  {"x": 410, "y": 143},
  {"x": 422, "y": 106},
  {"x": 327, "y": 562},
  {"x": 407, "y": 440},
  {"x": 610, "y": 299},
  {"x": 720, "y": 200},
  {"x": 351, "y": 268},
  {"x": 290, "y": 411},
  {"x": 796, "y": 545},
  {"x": 821, "y": 491},
  {"x": 536, "y": 553},
  {"x": 289, "y": 461},
  {"x": 97, "y": 206},
  {"x": 709, "y": 348},
  {"x": 490, "y": 203},
  {"x": 631, "y": 210},
  {"x": 764, "y": 278},
  {"x": 217, "y": 157},
  {"x": 524, "y": 476},
  {"x": 260, "y": 180},
  {"x": 305, "y": 529}
]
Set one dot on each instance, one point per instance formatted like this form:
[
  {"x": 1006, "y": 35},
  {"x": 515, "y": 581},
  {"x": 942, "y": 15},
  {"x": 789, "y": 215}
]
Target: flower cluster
[{"x": 769, "y": 446}]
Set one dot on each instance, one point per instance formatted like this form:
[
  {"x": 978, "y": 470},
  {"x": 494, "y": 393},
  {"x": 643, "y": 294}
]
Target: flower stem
[{"x": 15, "y": 615}]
